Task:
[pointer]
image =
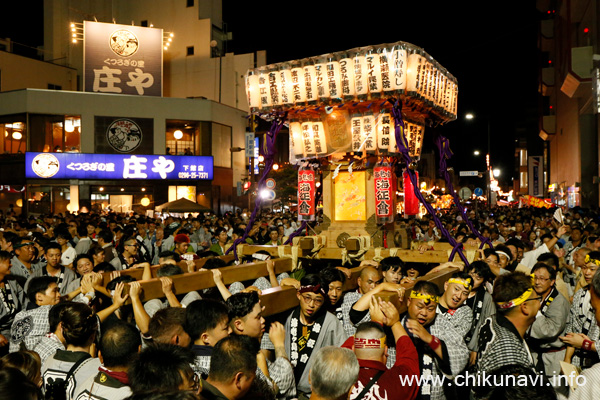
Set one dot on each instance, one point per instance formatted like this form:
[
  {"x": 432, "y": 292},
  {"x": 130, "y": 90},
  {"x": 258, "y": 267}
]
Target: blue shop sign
[{"x": 117, "y": 166}]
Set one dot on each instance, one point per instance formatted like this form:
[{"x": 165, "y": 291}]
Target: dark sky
[{"x": 493, "y": 54}]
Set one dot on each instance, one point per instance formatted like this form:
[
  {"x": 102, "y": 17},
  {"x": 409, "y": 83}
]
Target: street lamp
[
  {"x": 476, "y": 152},
  {"x": 469, "y": 117}
]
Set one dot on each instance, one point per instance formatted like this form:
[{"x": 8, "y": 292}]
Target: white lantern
[
  {"x": 307, "y": 139},
  {"x": 386, "y": 139},
  {"x": 263, "y": 86},
  {"x": 414, "y": 72},
  {"x": 298, "y": 84},
  {"x": 310, "y": 82},
  {"x": 369, "y": 134},
  {"x": 287, "y": 93},
  {"x": 253, "y": 90},
  {"x": 398, "y": 64},
  {"x": 373, "y": 73},
  {"x": 356, "y": 129},
  {"x": 296, "y": 141},
  {"x": 347, "y": 77},
  {"x": 319, "y": 139},
  {"x": 334, "y": 82},
  {"x": 361, "y": 84},
  {"x": 275, "y": 86},
  {"x": 321, "y": 79}
]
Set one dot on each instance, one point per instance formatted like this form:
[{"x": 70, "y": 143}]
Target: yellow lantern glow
[
  {"x": 386, "y": 139},
  {"x": 398, "y": 64},
  {"x": 275, "y": 86},
  {"x": 321, "y": 78},
  {"x": 360, "y": 75},
  {"x": 253, "y": 90},
  {"x": 296, "y": 142},
  {"x": 369, "y": 133},
  {"x": 356, "y": 128},
  {"x": 374, "y": 73},
  {"x": 319, "y": 139},
  {"x": 333, "y": 76},
  {"x": 145, "y": 202},
  {"x": 263, "y": 87}
]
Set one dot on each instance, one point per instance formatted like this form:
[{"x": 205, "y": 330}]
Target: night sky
[{"x": 493, "y": 55}]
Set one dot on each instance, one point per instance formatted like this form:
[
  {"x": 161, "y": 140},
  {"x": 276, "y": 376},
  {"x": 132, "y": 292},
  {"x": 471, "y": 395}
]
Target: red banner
[
  {"x": 384, "y": 194},
  {"x": 306, "y": 195}
]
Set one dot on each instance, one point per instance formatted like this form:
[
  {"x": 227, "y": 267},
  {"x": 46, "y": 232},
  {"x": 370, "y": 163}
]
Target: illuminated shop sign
[
  {"x": 117, "y": 166},
  {"x": 123, "y": 59}
]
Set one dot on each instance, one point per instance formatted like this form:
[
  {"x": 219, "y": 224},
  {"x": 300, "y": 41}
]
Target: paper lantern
[
  {"x": 296, "y": 141},
  {"x": 411, "y": 202},
  {"x": 263, "y": 88},
  {"x": 319, "y": 138},
  {"x": 306, "y": 194},
  {"x": 310, "y": 82},
  {"x": 356, "y": 130},
  {"x": 252, "y": 91},
  {"x": 369, "y": 133},
  {"x": 287, "y": 92},
  {"x": 321, "y": 79},
  {"x": 337, "y": 130},
  {"x": 346, "y": 76},
  {"x": 374, "y": 73},
  {"x": 384, "y": 193},
  {"x": 361, "y": 83},
  {"x": 298, "y": 83},
  {"x": 398, "y": 64},
  {"x": 274, "y": 82},
  {"x": 333, "y": 76},
  {"x": 386, "y": 137},
  {"x": 414, "y": 72},
  {"x": 307, "y": 139}
]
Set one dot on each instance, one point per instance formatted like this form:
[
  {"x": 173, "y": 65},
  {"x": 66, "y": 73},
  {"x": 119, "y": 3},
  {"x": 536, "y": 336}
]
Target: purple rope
[
  {"x": 269, "y": 154},
  {"x": 403, "y": 148},
  {"x": 443, "y": 145},
  {"x": 303, "y": 225}
]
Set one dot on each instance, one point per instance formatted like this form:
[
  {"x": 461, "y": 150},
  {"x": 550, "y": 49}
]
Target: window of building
[
  {"x": 54, "y": 87},
  {"x": 55, "y": 133},
  {"x": 184, "y": 137},
  {"x": 190, "y": 3},
  {"x": 221, "y": 145},
  {"x": 199, "y": 138},
  {"x": 13, "y": 134},
  {"x": 144, "y": 23},
  {"x": 190, "y": 51}
]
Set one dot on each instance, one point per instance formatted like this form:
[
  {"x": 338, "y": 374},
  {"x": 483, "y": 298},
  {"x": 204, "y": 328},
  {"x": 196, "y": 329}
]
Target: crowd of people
[{"x": 509, "y": 324}]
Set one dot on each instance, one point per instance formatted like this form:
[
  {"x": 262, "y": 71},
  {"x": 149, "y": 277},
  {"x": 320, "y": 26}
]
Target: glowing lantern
[
  {"x": 321, "y": 79},
  {"x": 333, "y": 77},
  {"x": 369, "y": 133},
  {"x": 298, "y": 83},
  {"x": 287, "y": 92},
  {"x": 361, "y": 83},
  {"x": 374, "y": 73},
  {"x": 296, "y": 142},
  {"x": 319, "y": 139},
  {"x": 253, "y": 91},
  {"x": 306, "y": 194},
  {"x": 310, "y": 82},
  {"x": 384, "y": 193},
  {"x": 347, "y": 77},
  {"x": 356, "y": 130},
  {"x": 274, "y": 84},
  {"x": 307, "y": 139},
  {"x": 263, "y": 89},
  {"x": 411, "y": 202},
  {"x": 414, "y": 72},
  {"x": 386, "y": 138},
  {"x": 398, "y": 64}
]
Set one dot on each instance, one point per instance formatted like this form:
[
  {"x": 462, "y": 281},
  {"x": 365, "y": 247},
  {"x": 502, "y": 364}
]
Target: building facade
[{"x": 568, "y": 41}]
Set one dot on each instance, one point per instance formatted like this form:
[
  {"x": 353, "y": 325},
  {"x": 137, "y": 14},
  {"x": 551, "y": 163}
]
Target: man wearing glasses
[
  {"x": 309, "y": 328},
  {"x": 127, "y": 254},
  {"x": 546, "y": 347},
  {"x": 501, "y": 339}
]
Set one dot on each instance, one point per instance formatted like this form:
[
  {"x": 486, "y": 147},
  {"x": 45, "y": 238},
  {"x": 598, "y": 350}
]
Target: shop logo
[
  {"x": 124, "y": 135},
  {"x": 45, "y": 165},
  {"x": 124, "y": 43}
]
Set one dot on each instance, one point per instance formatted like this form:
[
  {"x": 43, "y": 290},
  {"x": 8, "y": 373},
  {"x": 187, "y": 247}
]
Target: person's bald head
[
  {"x": 369, "y": 278},
  {"x": 369, "y": 342}
]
